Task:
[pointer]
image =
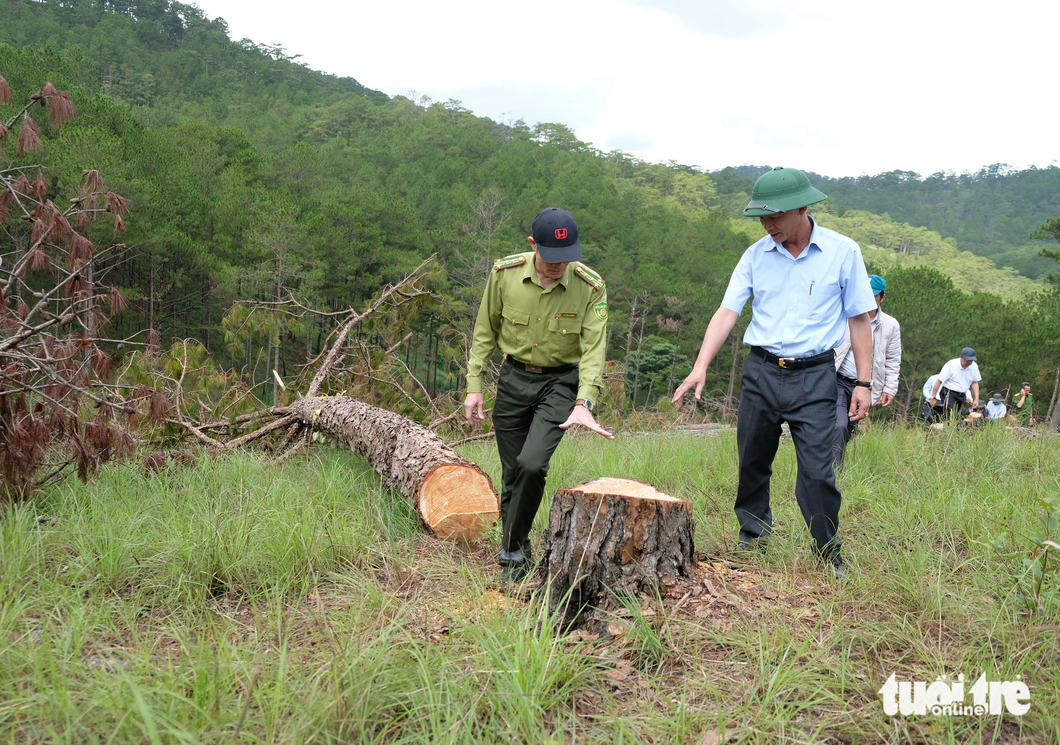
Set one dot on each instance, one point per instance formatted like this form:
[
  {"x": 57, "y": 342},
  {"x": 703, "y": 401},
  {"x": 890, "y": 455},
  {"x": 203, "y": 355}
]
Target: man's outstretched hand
[
  {"x": 584, "y": 417},
  {"x": 859, "y": 403},
  {"x": 473, "y": 409},
  {"x": 697, "y": 379}
]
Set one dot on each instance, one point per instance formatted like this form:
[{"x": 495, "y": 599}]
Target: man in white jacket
[{"x": 886, "y": 359}]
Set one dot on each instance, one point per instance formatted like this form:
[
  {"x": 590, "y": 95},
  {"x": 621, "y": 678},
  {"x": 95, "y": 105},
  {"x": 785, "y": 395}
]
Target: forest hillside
[{"x": 253, "y": 178}]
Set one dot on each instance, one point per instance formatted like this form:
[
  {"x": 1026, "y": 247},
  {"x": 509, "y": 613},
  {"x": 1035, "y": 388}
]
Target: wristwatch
[
  {"x": 587, "y": 403},
  {"x": 863, "y": 383}
]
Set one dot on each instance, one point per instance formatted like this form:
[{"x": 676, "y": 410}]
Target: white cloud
[{"x": 836, "y": 87}]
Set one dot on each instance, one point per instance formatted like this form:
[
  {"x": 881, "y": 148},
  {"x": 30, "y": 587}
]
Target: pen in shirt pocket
[{"x": 812, "y": 283}]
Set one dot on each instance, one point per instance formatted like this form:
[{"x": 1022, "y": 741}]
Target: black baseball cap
[{"x": 556, "y": 235}]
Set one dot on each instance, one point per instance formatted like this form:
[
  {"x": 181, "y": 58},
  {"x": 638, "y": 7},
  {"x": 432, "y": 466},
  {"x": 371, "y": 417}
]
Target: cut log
[
  {"x": 619, "y": 534},
  {"x": 450, "y": 494}
]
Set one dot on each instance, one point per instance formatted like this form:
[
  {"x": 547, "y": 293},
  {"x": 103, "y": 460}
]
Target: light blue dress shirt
[
  {"x": 929, "y": 386},
  {"x": 800, "y": 306},
  {"x": 996, "y": 410}
]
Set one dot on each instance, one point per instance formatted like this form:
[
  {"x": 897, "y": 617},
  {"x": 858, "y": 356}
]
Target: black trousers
[
  {"x": 844, "y": 428},
  {"x": 950, "y": 403},
  {"x": 806, "y": 400},
  {"x": 526, "y": 417}
]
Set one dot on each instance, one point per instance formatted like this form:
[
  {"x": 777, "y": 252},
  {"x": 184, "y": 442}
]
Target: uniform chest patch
[
  {"x": 600, "y": 309},
  {"x": 566, "y": 315}
]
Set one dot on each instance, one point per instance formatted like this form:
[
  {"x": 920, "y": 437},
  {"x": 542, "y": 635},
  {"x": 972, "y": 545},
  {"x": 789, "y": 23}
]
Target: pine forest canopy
[{"x": 251, "y": 177}]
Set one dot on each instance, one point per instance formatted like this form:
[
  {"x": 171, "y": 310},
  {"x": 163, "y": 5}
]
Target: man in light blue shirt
[
  {"x": 929, "y": 387},
  {"x": 995, "y": 409},
  {"x": 807, "y": 282}
]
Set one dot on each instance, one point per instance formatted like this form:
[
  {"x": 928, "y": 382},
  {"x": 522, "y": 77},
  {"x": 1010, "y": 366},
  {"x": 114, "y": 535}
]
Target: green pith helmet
[{"x": 781, "y": 190}]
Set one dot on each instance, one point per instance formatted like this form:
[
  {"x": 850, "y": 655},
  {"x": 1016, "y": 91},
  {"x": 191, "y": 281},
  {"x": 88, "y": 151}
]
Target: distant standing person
[
  {"x": 956, "y": 378},
  {"x": 547, "y": 311},
  {"x": 886, "y": 360},
  {"x": 807, "y": 282},
  {"x": 1023, "y": 406},
  {"x": 995, "y": 408}
]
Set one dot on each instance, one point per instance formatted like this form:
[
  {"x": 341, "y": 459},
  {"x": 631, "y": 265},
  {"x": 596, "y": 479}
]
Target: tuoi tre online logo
[{"x": 948, "y": 697}]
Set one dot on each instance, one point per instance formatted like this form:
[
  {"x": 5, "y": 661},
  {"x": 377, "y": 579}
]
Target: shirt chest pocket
[
  {"x": 823, "y": 296},
  {"x": 564, "y": 334},
  {"x": 514, "y": 327}
]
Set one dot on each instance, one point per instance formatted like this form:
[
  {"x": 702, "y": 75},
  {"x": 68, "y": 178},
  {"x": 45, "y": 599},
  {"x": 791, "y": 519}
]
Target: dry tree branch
[
  {"x": 245, "y": 418},
  {"x": 41, "y": 483},
  {"x": 423, "y": 389},
  {"x": 292, "y": 432},
  {"x": 392, "y": 295},
  {"x": 197, "y": 432},
  {"x": 17, "y": 339},
  {"x": 35, "y": 390},
  {"x": 302, "y": 441},
  {"x": 258, "y": 433},
  {"x": 340, "y": 339},
  {"x": 394, "y": 348},
  {"x": 439, "y": 422},
  {"x": 473, "y": 438}
]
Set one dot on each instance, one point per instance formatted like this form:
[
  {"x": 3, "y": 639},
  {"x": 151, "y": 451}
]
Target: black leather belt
[
  {"x": 541, "y": 370},
  {"x": 795, "y": 363},
  {"x": 844, "y": 378}
]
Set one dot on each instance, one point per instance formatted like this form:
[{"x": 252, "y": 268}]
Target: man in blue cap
[
  {"x": 547, "y": 312},
  {"x": 808, "y": 283},
  {"x": 886, "y": 360}
]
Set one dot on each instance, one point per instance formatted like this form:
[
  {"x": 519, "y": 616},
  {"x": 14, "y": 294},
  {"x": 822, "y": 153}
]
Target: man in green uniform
[
  {"x": 547, "y": 311},
  {"x": 1023, "y": 406}
]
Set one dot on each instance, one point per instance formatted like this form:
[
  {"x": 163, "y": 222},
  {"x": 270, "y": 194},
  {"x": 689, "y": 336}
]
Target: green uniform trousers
[{"x": 526, "y": 417}]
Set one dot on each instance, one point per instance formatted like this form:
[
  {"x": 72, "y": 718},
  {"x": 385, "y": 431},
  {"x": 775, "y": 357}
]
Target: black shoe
[
  {"x": 514, "y": 573},
  {"x": 518, "y": 556},
  {"x": 837, "y": 570},
  {"x": 752, "y": 543}
]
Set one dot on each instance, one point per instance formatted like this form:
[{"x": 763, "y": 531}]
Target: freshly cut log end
[
  {"x": 457, "y": 501},
  {"x": 616, "y": 534},
  {"x": 450, "y": 494}
]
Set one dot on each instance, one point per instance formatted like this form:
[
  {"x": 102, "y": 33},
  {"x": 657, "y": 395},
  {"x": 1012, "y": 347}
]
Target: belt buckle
[
  {"x": 534, "y": 369},
  {"x": 783, "y": 362}
]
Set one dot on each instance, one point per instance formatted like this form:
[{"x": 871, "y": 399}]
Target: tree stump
[
  {"x": 619, "y": 534},
  {"x": 450, "y": 494}
]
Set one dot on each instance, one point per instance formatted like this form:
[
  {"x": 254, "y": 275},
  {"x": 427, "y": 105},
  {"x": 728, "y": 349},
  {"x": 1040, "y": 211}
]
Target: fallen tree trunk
[
  {"x": 450, "y": 494},
  {"x": 615, "y": 534}
]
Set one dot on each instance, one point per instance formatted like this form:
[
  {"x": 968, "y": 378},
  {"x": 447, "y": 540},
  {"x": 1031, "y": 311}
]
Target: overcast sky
[{"x": 839, "y": 87}]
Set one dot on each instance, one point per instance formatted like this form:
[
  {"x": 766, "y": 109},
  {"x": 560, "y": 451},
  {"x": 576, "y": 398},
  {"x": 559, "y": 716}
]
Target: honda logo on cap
[{"x": 561, "y": 234}]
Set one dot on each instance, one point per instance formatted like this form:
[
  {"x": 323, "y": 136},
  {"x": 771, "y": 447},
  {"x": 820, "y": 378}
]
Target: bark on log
[
  {"x": 619, "y": 534},
  {"x": 451, "y": 495}
]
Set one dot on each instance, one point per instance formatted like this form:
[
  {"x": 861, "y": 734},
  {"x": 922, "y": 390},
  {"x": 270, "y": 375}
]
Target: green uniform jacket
[
  {"x": 548, "y": 327},
  {"x": 1026, "y": 412}
]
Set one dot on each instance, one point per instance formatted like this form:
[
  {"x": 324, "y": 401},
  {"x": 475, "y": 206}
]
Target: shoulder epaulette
[
  {"x": 589, "y": 276},
  {"x": 508, "y": 262}
]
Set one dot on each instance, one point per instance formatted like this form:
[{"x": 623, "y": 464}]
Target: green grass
[{"x": 238, "y": 601}]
